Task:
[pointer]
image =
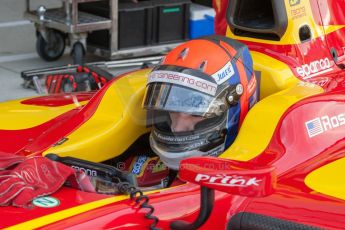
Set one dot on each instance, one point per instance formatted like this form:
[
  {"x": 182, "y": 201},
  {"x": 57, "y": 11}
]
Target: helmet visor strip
[{"x": 175, "y": 98}]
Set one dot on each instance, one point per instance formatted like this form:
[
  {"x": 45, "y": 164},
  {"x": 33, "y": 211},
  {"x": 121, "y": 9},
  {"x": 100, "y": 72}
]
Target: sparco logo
[
  {"x": 319, "y": 125},
  {"x": 314, "y": 68},
  {"x": 139, "y": 164},
  {"x": 227, "y": 180}
]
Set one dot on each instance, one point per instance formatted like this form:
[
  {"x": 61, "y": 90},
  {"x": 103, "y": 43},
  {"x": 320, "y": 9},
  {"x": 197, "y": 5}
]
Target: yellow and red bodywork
[
  {"x": 80, "y": 125},
  {"x": 115, "y": 120},
  {"x": 291, "y": 56},
  {"x": 101, "y": 125}
]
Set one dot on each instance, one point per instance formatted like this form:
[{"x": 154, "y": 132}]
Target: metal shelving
[{"x": 76, "y": 25}]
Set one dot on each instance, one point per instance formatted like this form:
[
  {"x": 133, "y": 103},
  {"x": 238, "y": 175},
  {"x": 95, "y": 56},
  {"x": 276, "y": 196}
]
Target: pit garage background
[{"x": 17, "y": 48}]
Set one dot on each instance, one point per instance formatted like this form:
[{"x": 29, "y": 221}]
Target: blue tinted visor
[{"x": 175, "y": 98}]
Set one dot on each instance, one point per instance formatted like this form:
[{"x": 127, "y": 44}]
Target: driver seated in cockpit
[{"x": 196, "y": 98}]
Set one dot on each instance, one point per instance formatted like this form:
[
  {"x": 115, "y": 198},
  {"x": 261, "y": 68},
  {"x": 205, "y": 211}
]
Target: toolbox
[
  {"x": 170, "y": 20},
  {"x": 143, "y": 23}
]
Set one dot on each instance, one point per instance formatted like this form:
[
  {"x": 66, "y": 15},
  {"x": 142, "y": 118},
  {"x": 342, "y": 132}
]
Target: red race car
[{"x": 283, "y": 171}]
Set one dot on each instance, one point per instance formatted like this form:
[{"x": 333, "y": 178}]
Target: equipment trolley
[{"x": 69, "y": 26}]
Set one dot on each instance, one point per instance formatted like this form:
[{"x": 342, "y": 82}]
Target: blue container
[{"x": 201, "y": 21}]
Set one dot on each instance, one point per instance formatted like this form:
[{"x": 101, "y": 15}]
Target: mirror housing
[{"x": 234, "y": 177}]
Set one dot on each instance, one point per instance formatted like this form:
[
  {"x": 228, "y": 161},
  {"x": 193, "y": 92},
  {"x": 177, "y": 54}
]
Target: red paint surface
[
  {"x": 68, "y": 198},
  {"x": 15, "y": 141},
  {"x": 291, "y": 151},
  {"x": 37, "y": 139}
]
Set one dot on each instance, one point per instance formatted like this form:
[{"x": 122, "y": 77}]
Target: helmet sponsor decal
[
  {"x": 227, "y": 180},
  {"x": 319, "y": 125},
  {"x": 314, "y": 68},
  {"x": 176, "y": 139},
  {"x": 224, "y": 74},
  {"x": 184, "y": 80}
]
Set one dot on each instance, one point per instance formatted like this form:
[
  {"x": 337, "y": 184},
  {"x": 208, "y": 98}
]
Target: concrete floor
[
  {"x": 10, "y": 78},
  {"x": 17, "y": 34}
]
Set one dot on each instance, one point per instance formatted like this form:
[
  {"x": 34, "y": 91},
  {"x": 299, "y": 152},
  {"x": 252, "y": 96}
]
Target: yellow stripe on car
[
  {"x": 327, "y": 179},
  {"x": 64, "y": 214}
]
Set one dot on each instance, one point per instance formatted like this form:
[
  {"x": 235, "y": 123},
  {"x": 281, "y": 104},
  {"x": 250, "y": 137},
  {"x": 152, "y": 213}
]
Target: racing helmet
[{"x": 211, "y": 78}]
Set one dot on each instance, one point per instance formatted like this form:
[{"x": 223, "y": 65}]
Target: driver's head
[{"x": 198, "y": 96}]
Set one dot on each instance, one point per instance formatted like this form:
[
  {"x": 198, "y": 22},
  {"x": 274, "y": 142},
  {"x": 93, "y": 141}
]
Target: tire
[
  {"x": 52, "y": 50},
  {"x": 78, "y": 54}
]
